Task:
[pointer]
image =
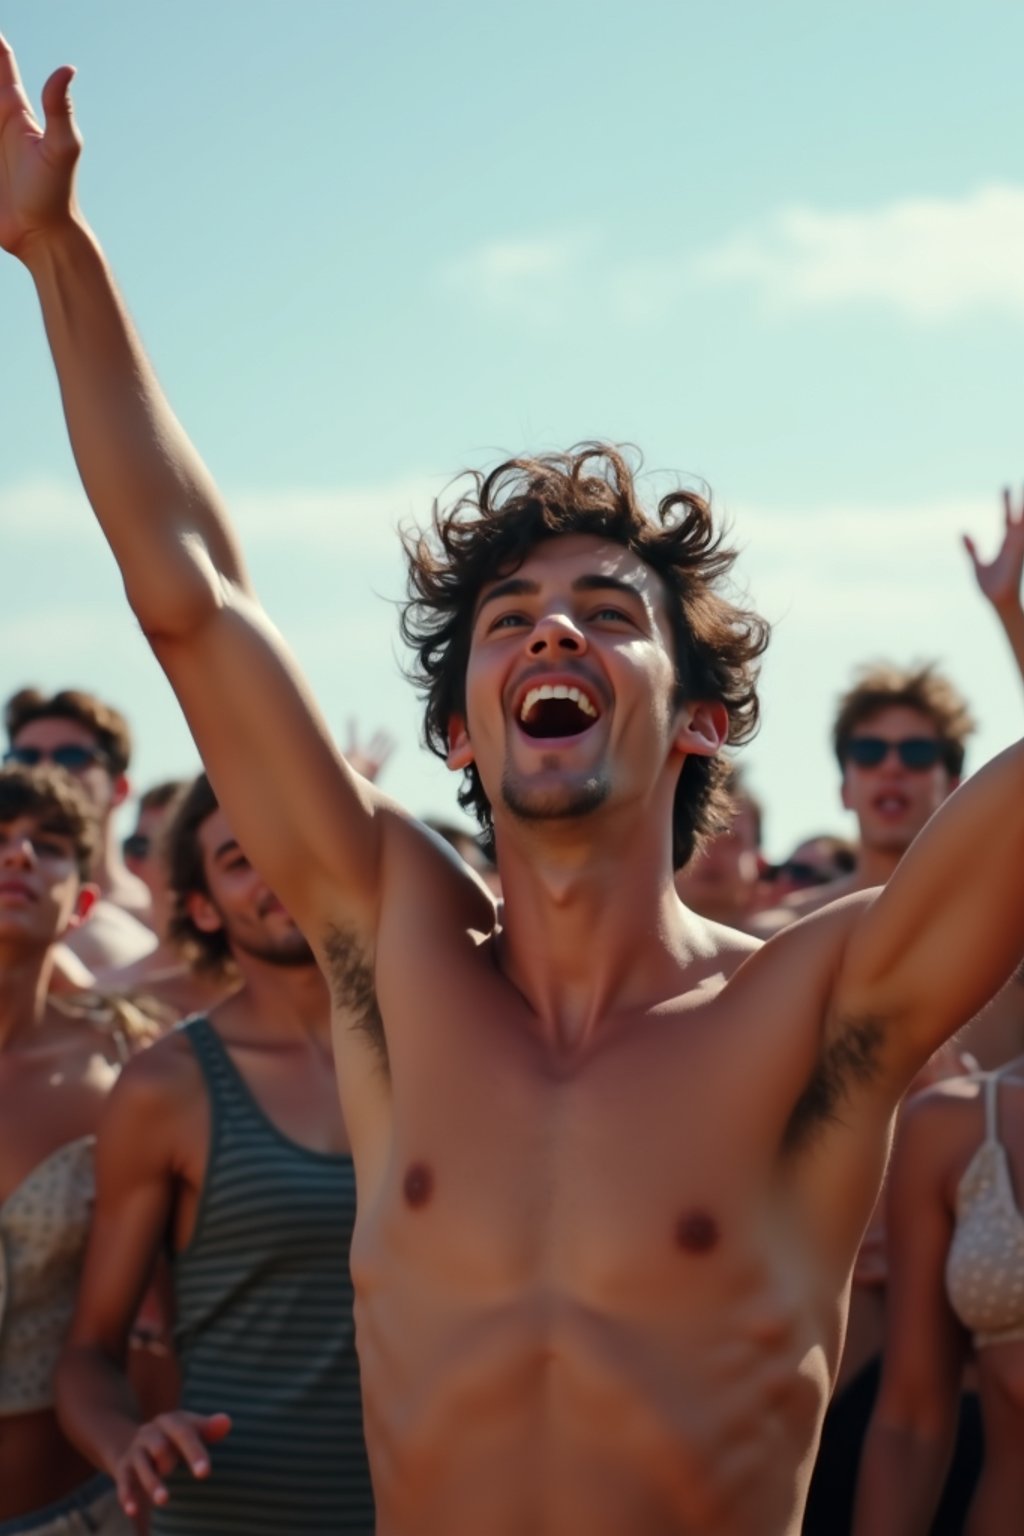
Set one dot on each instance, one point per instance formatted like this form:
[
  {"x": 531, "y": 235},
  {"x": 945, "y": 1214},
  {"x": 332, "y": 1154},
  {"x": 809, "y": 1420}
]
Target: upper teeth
[{"x": 556, "y": 691}]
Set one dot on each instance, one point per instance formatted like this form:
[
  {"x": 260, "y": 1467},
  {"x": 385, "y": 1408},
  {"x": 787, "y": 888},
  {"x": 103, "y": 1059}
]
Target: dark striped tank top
[{"x": 264, "y": 1329}]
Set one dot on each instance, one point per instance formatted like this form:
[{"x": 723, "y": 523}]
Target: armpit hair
[
  {"x": 851, "y": 1058},
  {"x": 350, "y": 977}
]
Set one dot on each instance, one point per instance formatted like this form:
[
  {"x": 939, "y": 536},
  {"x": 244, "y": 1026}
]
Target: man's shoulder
[{"x": 161, "y": 1078}]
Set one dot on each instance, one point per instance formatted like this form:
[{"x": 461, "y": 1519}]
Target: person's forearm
[
  {"x": 900, "y": 1482},
  {"x": 151, "y": 492},
  {"x": 96, "y": 1406}
]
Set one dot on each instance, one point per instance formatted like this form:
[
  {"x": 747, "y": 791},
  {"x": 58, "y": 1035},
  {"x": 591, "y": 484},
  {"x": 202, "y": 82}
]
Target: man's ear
[
  {"x": 702, "y": 728},
  {"x": 203, "y": 912},
  {"x": 122, "y": 789},
  {"x": 460, "y": 748},
  {"x": 88, "y": 896}
]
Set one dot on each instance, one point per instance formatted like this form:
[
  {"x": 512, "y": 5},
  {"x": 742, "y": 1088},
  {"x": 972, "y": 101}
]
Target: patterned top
[
  {"x": 44, "y": 1224},
  {"x": 265, "y": 1330},
  {"x": 985, "y": 1265}
]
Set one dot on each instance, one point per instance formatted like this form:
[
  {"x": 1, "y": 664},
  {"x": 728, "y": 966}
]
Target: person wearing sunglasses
[{"x": 90, "y": 740}]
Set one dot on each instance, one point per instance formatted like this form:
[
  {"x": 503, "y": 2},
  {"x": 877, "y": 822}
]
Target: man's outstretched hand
[
  {"x": 37, "y": 165},
  {"x": 1000, "y": 578}
]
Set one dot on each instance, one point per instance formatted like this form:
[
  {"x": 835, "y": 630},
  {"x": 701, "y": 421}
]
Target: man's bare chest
[{"x": 650, "y": 1152}]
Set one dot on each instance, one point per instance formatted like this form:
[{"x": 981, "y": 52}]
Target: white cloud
[
  {"x": 360, "y": 519},
  {"x": 932, "y": 258},
  {"x": 45, "y": 509},
  {"x": 525, "y": 276}
]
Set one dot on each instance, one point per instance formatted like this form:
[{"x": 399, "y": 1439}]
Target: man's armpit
[
  {"x": 851, "y": 1059},
  {"x": 350, "y": 977}
]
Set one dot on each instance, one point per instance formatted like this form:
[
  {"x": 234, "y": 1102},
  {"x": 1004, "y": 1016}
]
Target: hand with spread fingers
[
  {"x": 999, "y": 579},
  {"x": 368, "y": 758},
  {"x": 37, "y": 164},
  {"x": 157, "y": 1448}
]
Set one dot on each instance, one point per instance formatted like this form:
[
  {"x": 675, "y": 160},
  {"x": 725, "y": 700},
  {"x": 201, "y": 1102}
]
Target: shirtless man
[
  {"x": 90, "y": 740},
  {"x": 224, "y": 1146},
  {"x": 600, "y": 1272}
]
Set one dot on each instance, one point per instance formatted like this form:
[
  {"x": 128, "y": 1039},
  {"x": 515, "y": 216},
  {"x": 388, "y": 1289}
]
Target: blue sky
[{"x": 779, "y": 248}]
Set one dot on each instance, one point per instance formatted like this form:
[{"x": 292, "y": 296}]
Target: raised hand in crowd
[
  {"x": 999, "y": 579},
  {"x": 369, "y": 757}
]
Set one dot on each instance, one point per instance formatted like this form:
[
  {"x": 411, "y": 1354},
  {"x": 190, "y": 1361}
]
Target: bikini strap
[{"x": 992, "y": 1106}]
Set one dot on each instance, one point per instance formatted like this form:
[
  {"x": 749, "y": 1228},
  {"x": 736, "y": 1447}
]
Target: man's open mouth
[{"x": 557, "y": 709}]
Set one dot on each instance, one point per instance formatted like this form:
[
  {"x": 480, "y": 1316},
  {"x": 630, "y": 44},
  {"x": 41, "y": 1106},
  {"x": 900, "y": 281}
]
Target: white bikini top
[{"x": 985, "y": 1264}]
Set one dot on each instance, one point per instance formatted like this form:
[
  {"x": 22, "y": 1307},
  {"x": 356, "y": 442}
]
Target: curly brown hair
[
  {"x": 57, "y": 803},
  {"x": 110, "y": 728},
  {"x": 491, "y": 529},
  {"x": 882, "y": 685}
]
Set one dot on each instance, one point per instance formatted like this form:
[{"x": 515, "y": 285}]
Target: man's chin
[
  {"x": 555, "y": 798},
  {"x": 290, "y": 956}
]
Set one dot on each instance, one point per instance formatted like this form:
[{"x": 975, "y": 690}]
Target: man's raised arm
[{"x": 310, "y": 822}]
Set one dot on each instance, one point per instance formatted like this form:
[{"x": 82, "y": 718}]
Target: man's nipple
[
  {"x": 697, "y": 1232},
  {"x": 418, "y": 1185}
]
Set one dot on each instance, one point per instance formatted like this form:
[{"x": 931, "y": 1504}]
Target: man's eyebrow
[
  {"x": 600, "y": 582},
  {"x": 513, "y": 586},
  {"x": 230, "y": 846}
]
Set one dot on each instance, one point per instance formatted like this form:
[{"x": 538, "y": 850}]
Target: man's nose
[
  {"x": 16, "y": 851},
  {"x": 556, "y": 632}
]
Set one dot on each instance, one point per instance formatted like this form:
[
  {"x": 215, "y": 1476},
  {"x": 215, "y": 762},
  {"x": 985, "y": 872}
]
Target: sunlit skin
[
  {"x": 613, "y": 1160},
  {"x": 55, "y": 1073}
]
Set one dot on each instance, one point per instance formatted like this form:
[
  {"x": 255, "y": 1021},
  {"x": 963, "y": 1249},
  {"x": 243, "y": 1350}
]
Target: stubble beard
[
  {"x": 559, "y": 802},
  {"x": 288, "y": 954}
]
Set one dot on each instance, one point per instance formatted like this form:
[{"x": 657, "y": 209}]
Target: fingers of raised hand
[
  {"x": 61, "y": 135},
  {"x": 1014, "y": 519},
  {"x": 8, "y": 65}
]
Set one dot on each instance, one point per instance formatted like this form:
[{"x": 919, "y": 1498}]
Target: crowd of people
[{"x": 577, "y": 1127}]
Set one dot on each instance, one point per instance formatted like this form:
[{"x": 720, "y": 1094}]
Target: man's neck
[
  {"x": 22, "y": 994},
  {"x": 113, "y": 877},
  {"x": 874, "y": 866},
  {"x": 588, "y": 929},
  {"x": 284, "y": 999}
]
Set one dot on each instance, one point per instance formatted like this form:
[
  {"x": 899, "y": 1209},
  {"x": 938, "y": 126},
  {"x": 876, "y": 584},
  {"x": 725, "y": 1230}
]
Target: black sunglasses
[
  {"x": 916, "y": 752},
  {"x": 71, "y": 757},
  {"x": 801, "y": 873}
]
